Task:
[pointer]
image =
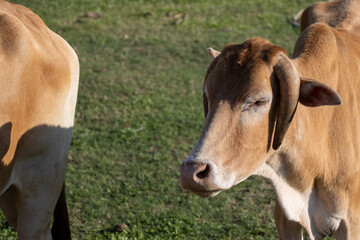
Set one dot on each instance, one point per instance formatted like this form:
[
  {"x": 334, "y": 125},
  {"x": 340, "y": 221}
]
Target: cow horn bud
[{"x": 213, "y": 53}]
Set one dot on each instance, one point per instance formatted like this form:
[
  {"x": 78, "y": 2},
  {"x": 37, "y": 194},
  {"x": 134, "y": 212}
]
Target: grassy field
[{"x": 139, "y": 114}]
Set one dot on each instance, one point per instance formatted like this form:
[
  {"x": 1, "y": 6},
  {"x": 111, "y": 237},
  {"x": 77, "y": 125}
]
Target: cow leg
[
  {"x": 34, "y": 216},
  {"x": 287, "y": 230},
  {"x": 8, "y": 206},
  {"x": 27, "y": 214},
  {"x": 61, "y": 228},
  {"x": 36, "y": 200},
  {"x": 343, "y": 233},
  {"x": 40, "y": 175},
  {"x": 35, "y": 209}
]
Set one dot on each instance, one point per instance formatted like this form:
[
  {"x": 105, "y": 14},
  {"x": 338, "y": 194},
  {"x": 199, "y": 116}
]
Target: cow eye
[
  {"x": 260, "y": 103},
  {"x": 254, "y": 104}
]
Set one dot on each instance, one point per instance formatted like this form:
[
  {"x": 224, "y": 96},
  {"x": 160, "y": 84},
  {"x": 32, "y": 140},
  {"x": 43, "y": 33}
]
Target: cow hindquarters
[{"x": 287, "y": 230}]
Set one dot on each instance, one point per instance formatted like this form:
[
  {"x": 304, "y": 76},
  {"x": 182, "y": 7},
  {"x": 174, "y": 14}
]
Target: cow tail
[{"x": 61, "y": 228}]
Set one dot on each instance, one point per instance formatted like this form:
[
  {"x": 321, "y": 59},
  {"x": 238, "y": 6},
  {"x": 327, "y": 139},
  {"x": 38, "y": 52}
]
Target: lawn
[{"x": 139, "y": 114}]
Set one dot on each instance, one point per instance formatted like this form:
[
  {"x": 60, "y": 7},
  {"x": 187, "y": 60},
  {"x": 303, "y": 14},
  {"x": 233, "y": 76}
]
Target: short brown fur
[
  {"x": 39, "y": 77},
  {"x": 315, "y": 172}
]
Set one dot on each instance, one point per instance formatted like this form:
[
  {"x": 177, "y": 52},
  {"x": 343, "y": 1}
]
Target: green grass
[{"x": 139, "y": 114}]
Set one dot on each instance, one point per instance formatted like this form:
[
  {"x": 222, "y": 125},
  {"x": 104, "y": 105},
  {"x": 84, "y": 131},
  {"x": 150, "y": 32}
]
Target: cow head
[{"x": 251, "y": 92}]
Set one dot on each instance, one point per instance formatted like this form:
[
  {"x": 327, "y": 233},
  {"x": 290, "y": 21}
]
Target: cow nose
[
  {"x": 193, "y": 175},
  {"x": 202, "y": 171}
]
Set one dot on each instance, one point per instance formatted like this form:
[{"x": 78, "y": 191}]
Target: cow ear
[
  {"x": 213, "y": 53},
  {"x": 315, "y": 94}
]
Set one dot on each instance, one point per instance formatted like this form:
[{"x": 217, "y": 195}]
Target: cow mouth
[{"x": 206, "y": 193}]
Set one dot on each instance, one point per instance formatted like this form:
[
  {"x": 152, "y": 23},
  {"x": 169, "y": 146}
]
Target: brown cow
[
  {"x": 255, "y": 126},
  {"x": 38, "y": 85}
]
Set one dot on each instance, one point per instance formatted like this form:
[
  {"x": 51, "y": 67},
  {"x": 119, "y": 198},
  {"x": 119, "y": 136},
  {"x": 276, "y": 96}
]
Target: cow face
[{"x": 242, "y": 91}]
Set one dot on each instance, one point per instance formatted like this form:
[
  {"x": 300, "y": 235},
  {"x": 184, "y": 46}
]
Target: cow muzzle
[{"x": 198, "y": 178}]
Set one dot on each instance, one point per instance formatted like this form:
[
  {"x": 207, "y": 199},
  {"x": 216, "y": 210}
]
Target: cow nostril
[{"x": 204, "y": 173}]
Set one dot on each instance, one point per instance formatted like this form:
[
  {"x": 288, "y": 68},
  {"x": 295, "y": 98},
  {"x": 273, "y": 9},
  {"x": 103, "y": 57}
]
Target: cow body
[
  {"x": 39, "y": 81},
  {"x": 251, "y": 95}
]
